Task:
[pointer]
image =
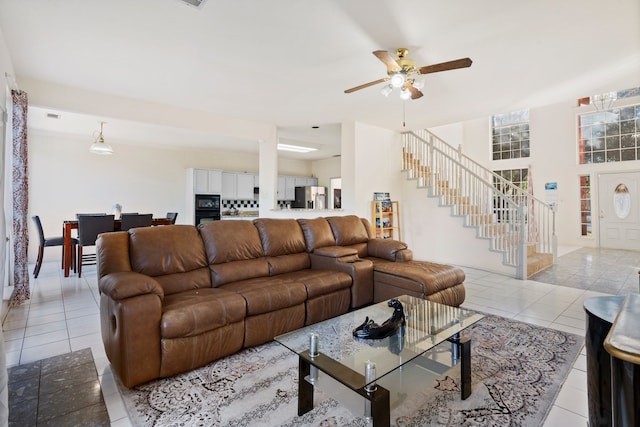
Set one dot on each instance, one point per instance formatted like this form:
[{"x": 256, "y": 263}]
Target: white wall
[
  {"x": 435, "y": 235},
  {"x": 326, "y": 169},
  {"x": 377, "y": 164}
]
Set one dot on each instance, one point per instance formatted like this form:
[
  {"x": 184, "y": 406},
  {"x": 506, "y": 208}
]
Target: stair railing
[{"x": 502, "y": 212}]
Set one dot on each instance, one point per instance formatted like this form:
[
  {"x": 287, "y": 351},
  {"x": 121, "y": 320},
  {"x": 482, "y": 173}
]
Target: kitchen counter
[{"x": 282, "y": 213}]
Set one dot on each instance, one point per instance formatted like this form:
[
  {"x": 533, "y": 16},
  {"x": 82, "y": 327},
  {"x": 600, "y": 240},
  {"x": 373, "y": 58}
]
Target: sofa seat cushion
[
  {"x": 429, "y": 276},
  {"x": 320, "y": 282},
  {"x": 268, "y": 294},
  {"x": 193, "y": 312}
]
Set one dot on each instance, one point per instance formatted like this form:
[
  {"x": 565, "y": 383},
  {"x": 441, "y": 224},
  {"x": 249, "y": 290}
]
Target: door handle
[{"x": 601, "y": 213}]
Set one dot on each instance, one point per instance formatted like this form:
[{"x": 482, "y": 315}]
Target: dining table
[{"x": 69, "y": 225}]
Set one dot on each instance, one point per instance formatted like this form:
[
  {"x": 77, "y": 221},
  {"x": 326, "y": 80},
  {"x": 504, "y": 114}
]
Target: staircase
[{"x": 514, "y": 222}]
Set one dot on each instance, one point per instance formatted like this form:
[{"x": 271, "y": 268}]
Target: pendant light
[{"x": 99, "y": 146}]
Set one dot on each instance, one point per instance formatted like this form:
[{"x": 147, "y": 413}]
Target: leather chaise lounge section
[{"x": 176, "y": 297}]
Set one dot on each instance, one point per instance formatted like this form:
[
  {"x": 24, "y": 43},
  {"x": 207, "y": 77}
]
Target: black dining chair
[
  {"x": 172, "y": 216},
  {"x": 78, "y": 215},
  {"x": 46, "y": 242},
  {"x": 129, "y": 221},
  {"x": 89, "y": 227}
]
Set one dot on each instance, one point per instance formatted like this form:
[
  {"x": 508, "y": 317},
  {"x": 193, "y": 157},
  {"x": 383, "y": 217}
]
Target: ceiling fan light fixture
[
  {"x": 397, "y": 79},
  {"x": 405, "y": 94},
  {"x": 418, "y": 84},
  {"x": 99, "y": 146},
  {"x": 386, "y": 90}
]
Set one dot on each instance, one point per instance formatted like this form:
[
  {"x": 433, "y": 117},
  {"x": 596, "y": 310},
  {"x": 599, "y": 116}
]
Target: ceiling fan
[{"x": 402, "y": 73}]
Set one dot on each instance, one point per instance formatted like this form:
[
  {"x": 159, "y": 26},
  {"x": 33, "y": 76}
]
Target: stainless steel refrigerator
[{"x": 310, "y": 197}]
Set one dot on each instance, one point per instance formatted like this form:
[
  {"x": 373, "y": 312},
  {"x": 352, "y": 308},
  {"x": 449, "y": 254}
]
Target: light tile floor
[{"x": 63, "y": 316}]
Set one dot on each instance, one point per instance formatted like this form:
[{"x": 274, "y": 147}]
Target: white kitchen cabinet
[
  {"x": 229, "y": 186},
  {"x": 290, "y": 188},
  {"x": 244, "y": 186},
  {"x": 287, "y": 185},
  {"x": 282, "y": 188},
  {"x": 207, "y": 181}
]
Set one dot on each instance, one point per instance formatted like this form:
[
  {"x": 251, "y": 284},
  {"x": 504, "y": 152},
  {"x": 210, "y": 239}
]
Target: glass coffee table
[{"x": 359, "y": 364}]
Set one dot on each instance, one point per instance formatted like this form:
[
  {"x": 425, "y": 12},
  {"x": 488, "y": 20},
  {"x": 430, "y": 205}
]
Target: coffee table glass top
[{"x": 428, "y": 324}]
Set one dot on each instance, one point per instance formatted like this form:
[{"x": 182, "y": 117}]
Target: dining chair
[
  {"x": 46, "y": 242},
  {"x": 78, "y": 215},
  {"x": 172, "y": 216},
  {"x": 89, "y": 227},
  {"x": 128, "y": 221}
]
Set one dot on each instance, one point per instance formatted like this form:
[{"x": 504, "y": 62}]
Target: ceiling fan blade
[
  {"x": 415, "y": 92},
  {"x": 389, "y": 61},
  {"x": 375, "y": 82},
  {"x": 444, "y": 66}
]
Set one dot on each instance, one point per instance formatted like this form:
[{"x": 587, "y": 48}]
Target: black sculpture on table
[{"x": 371, "y": 330}]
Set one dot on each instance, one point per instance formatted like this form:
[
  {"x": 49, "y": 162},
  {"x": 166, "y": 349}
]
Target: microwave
[{"x": 207, "y": 202}]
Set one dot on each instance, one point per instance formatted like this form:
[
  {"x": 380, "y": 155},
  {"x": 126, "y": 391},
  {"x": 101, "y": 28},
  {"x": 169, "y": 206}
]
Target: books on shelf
[
  {"x": 381, "y": 196},
  {"x": 385, "y": 202},
  {"x": 384, "y": 206},
  {"x": 383, "y": 222}
]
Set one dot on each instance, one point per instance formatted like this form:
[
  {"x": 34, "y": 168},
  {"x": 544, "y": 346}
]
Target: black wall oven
[{"x": 207, "y": 208}]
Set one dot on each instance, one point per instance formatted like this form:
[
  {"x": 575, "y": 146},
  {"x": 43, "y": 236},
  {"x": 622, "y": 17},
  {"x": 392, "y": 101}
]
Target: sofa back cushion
[
  {"x": 317, "y": 233},
  {"x": 233, "y": 250},
  {"x": 367, "y": 226},
  {"x": 283, "y": 244},
  {"x": 172, "y": 254},
  {"x": 350, "y": 231}
]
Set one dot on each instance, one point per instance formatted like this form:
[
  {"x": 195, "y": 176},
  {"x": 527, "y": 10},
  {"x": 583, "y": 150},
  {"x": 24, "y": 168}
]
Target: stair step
[
  {"x": 478, "y": 219},
  {"x": 446, "y": 185},
  {"x": 538, "y": 262},
  {"x": 466, "y": 209}
]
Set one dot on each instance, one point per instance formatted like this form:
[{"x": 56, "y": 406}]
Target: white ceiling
[{"x": 287, "y": 62}]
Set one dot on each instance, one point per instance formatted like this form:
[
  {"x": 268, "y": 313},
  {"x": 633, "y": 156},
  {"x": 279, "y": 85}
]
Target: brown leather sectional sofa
[{"x": 176, "y": 297}]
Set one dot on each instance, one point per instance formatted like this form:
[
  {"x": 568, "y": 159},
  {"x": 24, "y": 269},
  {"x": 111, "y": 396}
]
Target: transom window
[
  {"x": 611, "y": 135},
  {"x": 510, "y": 135}
]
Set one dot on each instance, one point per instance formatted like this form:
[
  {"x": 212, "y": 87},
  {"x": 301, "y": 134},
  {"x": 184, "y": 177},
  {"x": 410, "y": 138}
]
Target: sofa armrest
[
  {"x": 339, "y": 252},
  {"x": 389, "y": 249},
  {"x": 360, "y": 270},
  {"x": 130, "y": 316},
  {"x": 127, "y": 284}
]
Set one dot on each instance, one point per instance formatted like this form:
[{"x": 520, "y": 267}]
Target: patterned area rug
[{"x": 517, "y": 371}]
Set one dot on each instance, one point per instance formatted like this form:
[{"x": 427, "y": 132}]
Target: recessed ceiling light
[
  {"x": 295, "y": 148},
  {"x": 53, "y": 116}
]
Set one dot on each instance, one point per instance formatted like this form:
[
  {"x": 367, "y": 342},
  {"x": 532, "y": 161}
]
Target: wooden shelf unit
[{"x": 385, "y": 216}]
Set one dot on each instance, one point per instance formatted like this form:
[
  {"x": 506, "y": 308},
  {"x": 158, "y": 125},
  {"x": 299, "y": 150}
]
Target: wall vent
[{"x": 198, "y": 4}]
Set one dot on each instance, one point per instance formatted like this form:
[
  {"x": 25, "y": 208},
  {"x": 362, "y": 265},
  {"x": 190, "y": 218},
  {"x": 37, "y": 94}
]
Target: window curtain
[{"x": 20, "y": 184}]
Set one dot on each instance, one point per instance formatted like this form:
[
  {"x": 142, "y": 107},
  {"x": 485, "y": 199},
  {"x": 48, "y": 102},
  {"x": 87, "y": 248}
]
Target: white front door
[{"x": 618, "y": 199}]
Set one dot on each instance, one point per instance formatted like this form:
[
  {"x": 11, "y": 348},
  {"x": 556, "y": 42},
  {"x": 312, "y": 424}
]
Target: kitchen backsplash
[
  {"x": 249, "y": 205},
  {"x": 241, "y": 205}
]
